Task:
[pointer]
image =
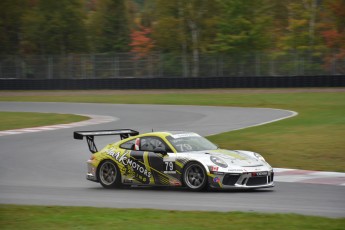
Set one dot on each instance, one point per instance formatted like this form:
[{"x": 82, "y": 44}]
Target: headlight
[
  {"x": 257, "y": 155},
  {"x": 218, "y": 161}
]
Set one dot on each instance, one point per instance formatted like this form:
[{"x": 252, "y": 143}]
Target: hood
[{"x": 235, "y": 158}]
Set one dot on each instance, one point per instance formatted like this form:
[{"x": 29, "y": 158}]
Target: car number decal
[{"x": 169, "y": 167}]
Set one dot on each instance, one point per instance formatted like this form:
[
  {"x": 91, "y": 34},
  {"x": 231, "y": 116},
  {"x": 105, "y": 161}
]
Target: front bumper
[{"x": 247, "y": 180}]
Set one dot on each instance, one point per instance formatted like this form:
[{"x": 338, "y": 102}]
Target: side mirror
[{"x": 161, "y": 150}]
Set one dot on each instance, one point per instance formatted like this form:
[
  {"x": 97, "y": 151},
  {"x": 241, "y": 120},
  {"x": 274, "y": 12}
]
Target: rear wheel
[
  {"x": 195, "y": 177},
  {"x": 109, "y": 174}
]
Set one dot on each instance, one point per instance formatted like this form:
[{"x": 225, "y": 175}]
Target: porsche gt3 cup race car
[{"x": 173, "y": 158}]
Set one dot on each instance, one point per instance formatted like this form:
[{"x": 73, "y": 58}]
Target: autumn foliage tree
[
  {"x": 142, "y": 44},
  {"x": 334, "y": 33}
]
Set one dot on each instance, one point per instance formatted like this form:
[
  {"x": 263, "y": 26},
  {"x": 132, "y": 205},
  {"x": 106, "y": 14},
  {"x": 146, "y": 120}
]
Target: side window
[
  {"x": 151, "y": 144},
  {"x": 128, "y": 145}
]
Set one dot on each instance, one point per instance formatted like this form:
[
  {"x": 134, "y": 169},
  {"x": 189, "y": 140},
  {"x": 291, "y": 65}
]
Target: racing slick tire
[
  {"x": 109, "y": 174},
  {"x": 195, "y": 177}
]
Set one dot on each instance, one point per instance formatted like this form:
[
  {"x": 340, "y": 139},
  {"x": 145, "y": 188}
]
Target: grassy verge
[
  {"x": 312, "y": 140},
  {"x": 16, "y": 120},
  {"x": 42, "y": 217}
]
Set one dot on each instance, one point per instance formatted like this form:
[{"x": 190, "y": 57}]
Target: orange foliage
[
  {"x": 338, "y": 9},
  {"x": 334, "y": 39},
  {"x": 141, "y": 43},
  {"x": 334, "y": 33}
]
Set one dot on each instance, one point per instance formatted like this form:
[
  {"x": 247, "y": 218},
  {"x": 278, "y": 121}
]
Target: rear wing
[{"x": 90, "y": 136}]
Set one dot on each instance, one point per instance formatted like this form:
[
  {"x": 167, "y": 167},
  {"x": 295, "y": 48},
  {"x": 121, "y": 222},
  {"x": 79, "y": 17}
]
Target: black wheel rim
[
  {"x": 194, "y": 176},
  {"x": 108, "y": 173}
]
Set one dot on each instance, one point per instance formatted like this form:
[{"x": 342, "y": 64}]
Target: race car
[{"x": 172, "y": 158}]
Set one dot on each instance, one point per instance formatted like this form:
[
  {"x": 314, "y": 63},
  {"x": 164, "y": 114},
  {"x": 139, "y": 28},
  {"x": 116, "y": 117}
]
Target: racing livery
[{"x": 173, "y": 158}]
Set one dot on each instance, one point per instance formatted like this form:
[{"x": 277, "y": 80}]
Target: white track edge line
[{"x": 93, "y": 120}]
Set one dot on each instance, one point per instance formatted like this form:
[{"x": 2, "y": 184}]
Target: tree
[
  {"x": 243, "y": 29},
  {"x": 279, "y": 22},
  {"x": 243, "y": 26},
  {"x": 334, "y": 33},
  {"x": 300, "y": 43},
  {"x": 11, "y": 14},
  {"x": 141, "y": 44},
  {"x": 109, "y": 26},
  {"x": 302, "y": 34},
  {"x": 184, "y": 27},
  {"x": 54, "y": 27}
]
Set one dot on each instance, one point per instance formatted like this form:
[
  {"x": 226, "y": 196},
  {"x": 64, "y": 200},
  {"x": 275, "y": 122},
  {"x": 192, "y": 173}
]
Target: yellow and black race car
[{"x": 172, "y": 158}]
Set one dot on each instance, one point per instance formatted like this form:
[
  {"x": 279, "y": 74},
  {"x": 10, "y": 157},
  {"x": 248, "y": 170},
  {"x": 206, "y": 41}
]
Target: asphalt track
[{"x": 48, "y": 168}]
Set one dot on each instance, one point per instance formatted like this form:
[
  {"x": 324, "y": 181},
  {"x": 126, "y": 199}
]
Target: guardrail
[{"x": 173, "y": 83}]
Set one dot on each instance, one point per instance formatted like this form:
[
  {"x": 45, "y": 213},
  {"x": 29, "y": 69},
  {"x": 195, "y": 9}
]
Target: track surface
[{"x": 48, "y": 167}]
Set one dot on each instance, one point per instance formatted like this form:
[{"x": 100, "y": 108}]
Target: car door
[
  {"x": 160, "y": 159},
  {"x": 135, "y": 171},
  {"x": 150, "y": 161}
]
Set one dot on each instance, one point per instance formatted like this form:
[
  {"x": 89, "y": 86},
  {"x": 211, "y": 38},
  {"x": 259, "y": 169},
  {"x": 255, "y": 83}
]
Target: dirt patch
[{"x": 170, "y": 91}]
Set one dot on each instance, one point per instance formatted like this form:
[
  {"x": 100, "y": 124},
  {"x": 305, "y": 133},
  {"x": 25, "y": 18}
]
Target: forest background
[{"x": 310, "y": 30}]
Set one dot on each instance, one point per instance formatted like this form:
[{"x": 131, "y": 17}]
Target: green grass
[
  {"x": 44, "y": 217},
  {"x": 315, "y": 139},
  {"x": 16, "y": 120},
  {"x": 312, "y": 140}
]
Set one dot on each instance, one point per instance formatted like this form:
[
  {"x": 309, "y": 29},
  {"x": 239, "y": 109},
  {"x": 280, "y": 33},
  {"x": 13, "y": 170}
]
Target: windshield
[{"x": 187, "y": 142}]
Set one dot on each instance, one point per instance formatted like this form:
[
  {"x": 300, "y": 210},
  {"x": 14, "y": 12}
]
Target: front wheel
[
  {"x": 195, "y": 177},
  {"x": 109, "y": 175}
]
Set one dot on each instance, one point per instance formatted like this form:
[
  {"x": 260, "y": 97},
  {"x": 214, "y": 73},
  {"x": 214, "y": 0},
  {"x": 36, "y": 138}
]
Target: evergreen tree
[
  {"x": 109, "y": 26},
  {"x": 55, "y": 27},
  {"x": 11, "y": 13}
]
